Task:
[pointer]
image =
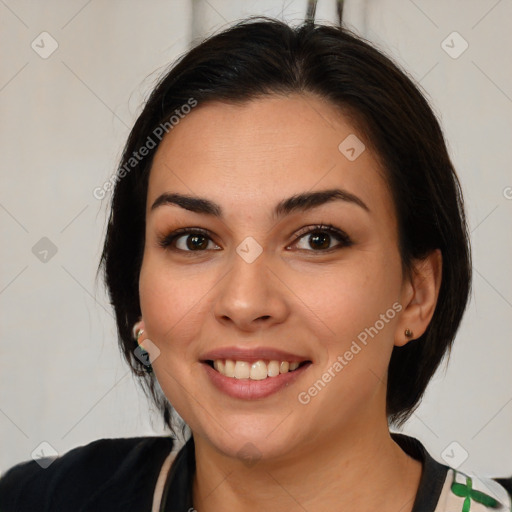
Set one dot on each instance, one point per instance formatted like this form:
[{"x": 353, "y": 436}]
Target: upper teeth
[{"x": 258, "y": 370}]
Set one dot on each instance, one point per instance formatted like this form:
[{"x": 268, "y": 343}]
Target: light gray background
[{"x": 64, "y": 120}]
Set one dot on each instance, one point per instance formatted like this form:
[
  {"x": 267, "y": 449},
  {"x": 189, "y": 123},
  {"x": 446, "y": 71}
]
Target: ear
[{"x": 419, "y": 297}]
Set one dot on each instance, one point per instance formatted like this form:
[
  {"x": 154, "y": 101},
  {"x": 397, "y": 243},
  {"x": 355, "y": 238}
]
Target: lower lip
[{"x": 248, "y": 389}]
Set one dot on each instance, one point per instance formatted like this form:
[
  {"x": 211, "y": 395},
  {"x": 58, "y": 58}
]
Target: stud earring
[
  {"x": 408, "y": 333},
  {"x": 136, "y": 329}
]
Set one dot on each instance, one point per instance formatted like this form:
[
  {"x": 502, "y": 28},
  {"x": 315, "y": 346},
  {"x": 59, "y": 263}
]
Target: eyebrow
[{"x": 299, "y": 202}]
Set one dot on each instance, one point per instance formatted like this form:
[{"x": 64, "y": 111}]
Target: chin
[{"x": 251, "y": 442}]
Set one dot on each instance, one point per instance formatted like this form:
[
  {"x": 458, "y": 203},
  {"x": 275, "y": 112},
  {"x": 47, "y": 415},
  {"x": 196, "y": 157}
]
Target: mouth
[
  {"x": 254, "y": 370},
  {"x": 252, "y": 374}
]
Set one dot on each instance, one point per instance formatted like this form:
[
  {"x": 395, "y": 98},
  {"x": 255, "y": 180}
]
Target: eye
[
  {"x": 188, "y": 240},
  {"x": 320, "y": 238}
]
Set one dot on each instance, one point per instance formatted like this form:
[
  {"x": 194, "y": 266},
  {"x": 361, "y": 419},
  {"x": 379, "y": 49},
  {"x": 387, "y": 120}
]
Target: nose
[{"x": 250, "y": 296}]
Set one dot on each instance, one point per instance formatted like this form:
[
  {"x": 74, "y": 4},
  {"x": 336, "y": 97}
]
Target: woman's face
[{"x": 247, "y": 280}]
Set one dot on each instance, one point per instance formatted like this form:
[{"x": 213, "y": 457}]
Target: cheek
[
  {"x": 173, "y": 305},
  {"x": 358, "y": 307},
  {"x": 352, "y": 299},
  {"x": 171, "y": 300}
]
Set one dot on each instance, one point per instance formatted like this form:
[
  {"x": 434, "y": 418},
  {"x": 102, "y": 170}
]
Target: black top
[{"x": 120, "y": 475}]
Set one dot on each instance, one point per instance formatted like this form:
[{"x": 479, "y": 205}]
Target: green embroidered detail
[{"x": 467, "y": 491}]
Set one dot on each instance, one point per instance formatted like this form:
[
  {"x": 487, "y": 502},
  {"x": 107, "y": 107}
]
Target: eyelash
[{"x": 345, "y": 241}]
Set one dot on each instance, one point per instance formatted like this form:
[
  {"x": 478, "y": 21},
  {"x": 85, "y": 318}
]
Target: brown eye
[
  {"x": 322, "y": 239},
  {"x": 188, "y": 241},
  {"x": 195, "y": 242},
  {"x": 319, "y": 240}
]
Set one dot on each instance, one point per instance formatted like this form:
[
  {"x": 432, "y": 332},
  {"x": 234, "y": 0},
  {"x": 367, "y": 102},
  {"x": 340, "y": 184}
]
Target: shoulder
[
  {"x": 463, "y": 492},
  {"x": 108, "y": 474},
  {"x": 445, "y": 489}
]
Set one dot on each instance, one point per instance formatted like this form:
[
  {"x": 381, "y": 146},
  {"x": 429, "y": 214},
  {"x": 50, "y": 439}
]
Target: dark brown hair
[{"x": 261, "y": 56}]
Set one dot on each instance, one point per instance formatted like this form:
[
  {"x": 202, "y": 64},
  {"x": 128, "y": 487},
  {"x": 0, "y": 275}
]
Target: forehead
[{"x": 255, "y": 153}]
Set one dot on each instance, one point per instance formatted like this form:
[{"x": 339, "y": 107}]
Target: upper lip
[{"x": 251, "y": 354}]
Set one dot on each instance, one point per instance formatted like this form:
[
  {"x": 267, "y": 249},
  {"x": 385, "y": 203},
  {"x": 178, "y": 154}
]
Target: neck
[{"x": 366, "y": 471}]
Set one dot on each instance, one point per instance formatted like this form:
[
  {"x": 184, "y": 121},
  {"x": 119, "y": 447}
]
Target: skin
[{"x": 335, "y": 451}]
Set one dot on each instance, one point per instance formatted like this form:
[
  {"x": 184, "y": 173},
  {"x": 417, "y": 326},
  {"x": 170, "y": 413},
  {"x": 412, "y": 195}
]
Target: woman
[{"x": 288, "y": 260}]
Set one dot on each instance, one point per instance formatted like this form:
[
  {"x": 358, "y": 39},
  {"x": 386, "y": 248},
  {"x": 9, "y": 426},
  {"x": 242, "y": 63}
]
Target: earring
[
  {"x": 140, "y": 352},
  {"x": 408, "y": 333},
  {"x": 136, "y": 330}
]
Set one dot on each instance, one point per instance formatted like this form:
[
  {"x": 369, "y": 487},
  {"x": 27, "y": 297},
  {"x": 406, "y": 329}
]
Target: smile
[
  {"x": 252, "y": 373},
  {"x": 257, "y": 370}
]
